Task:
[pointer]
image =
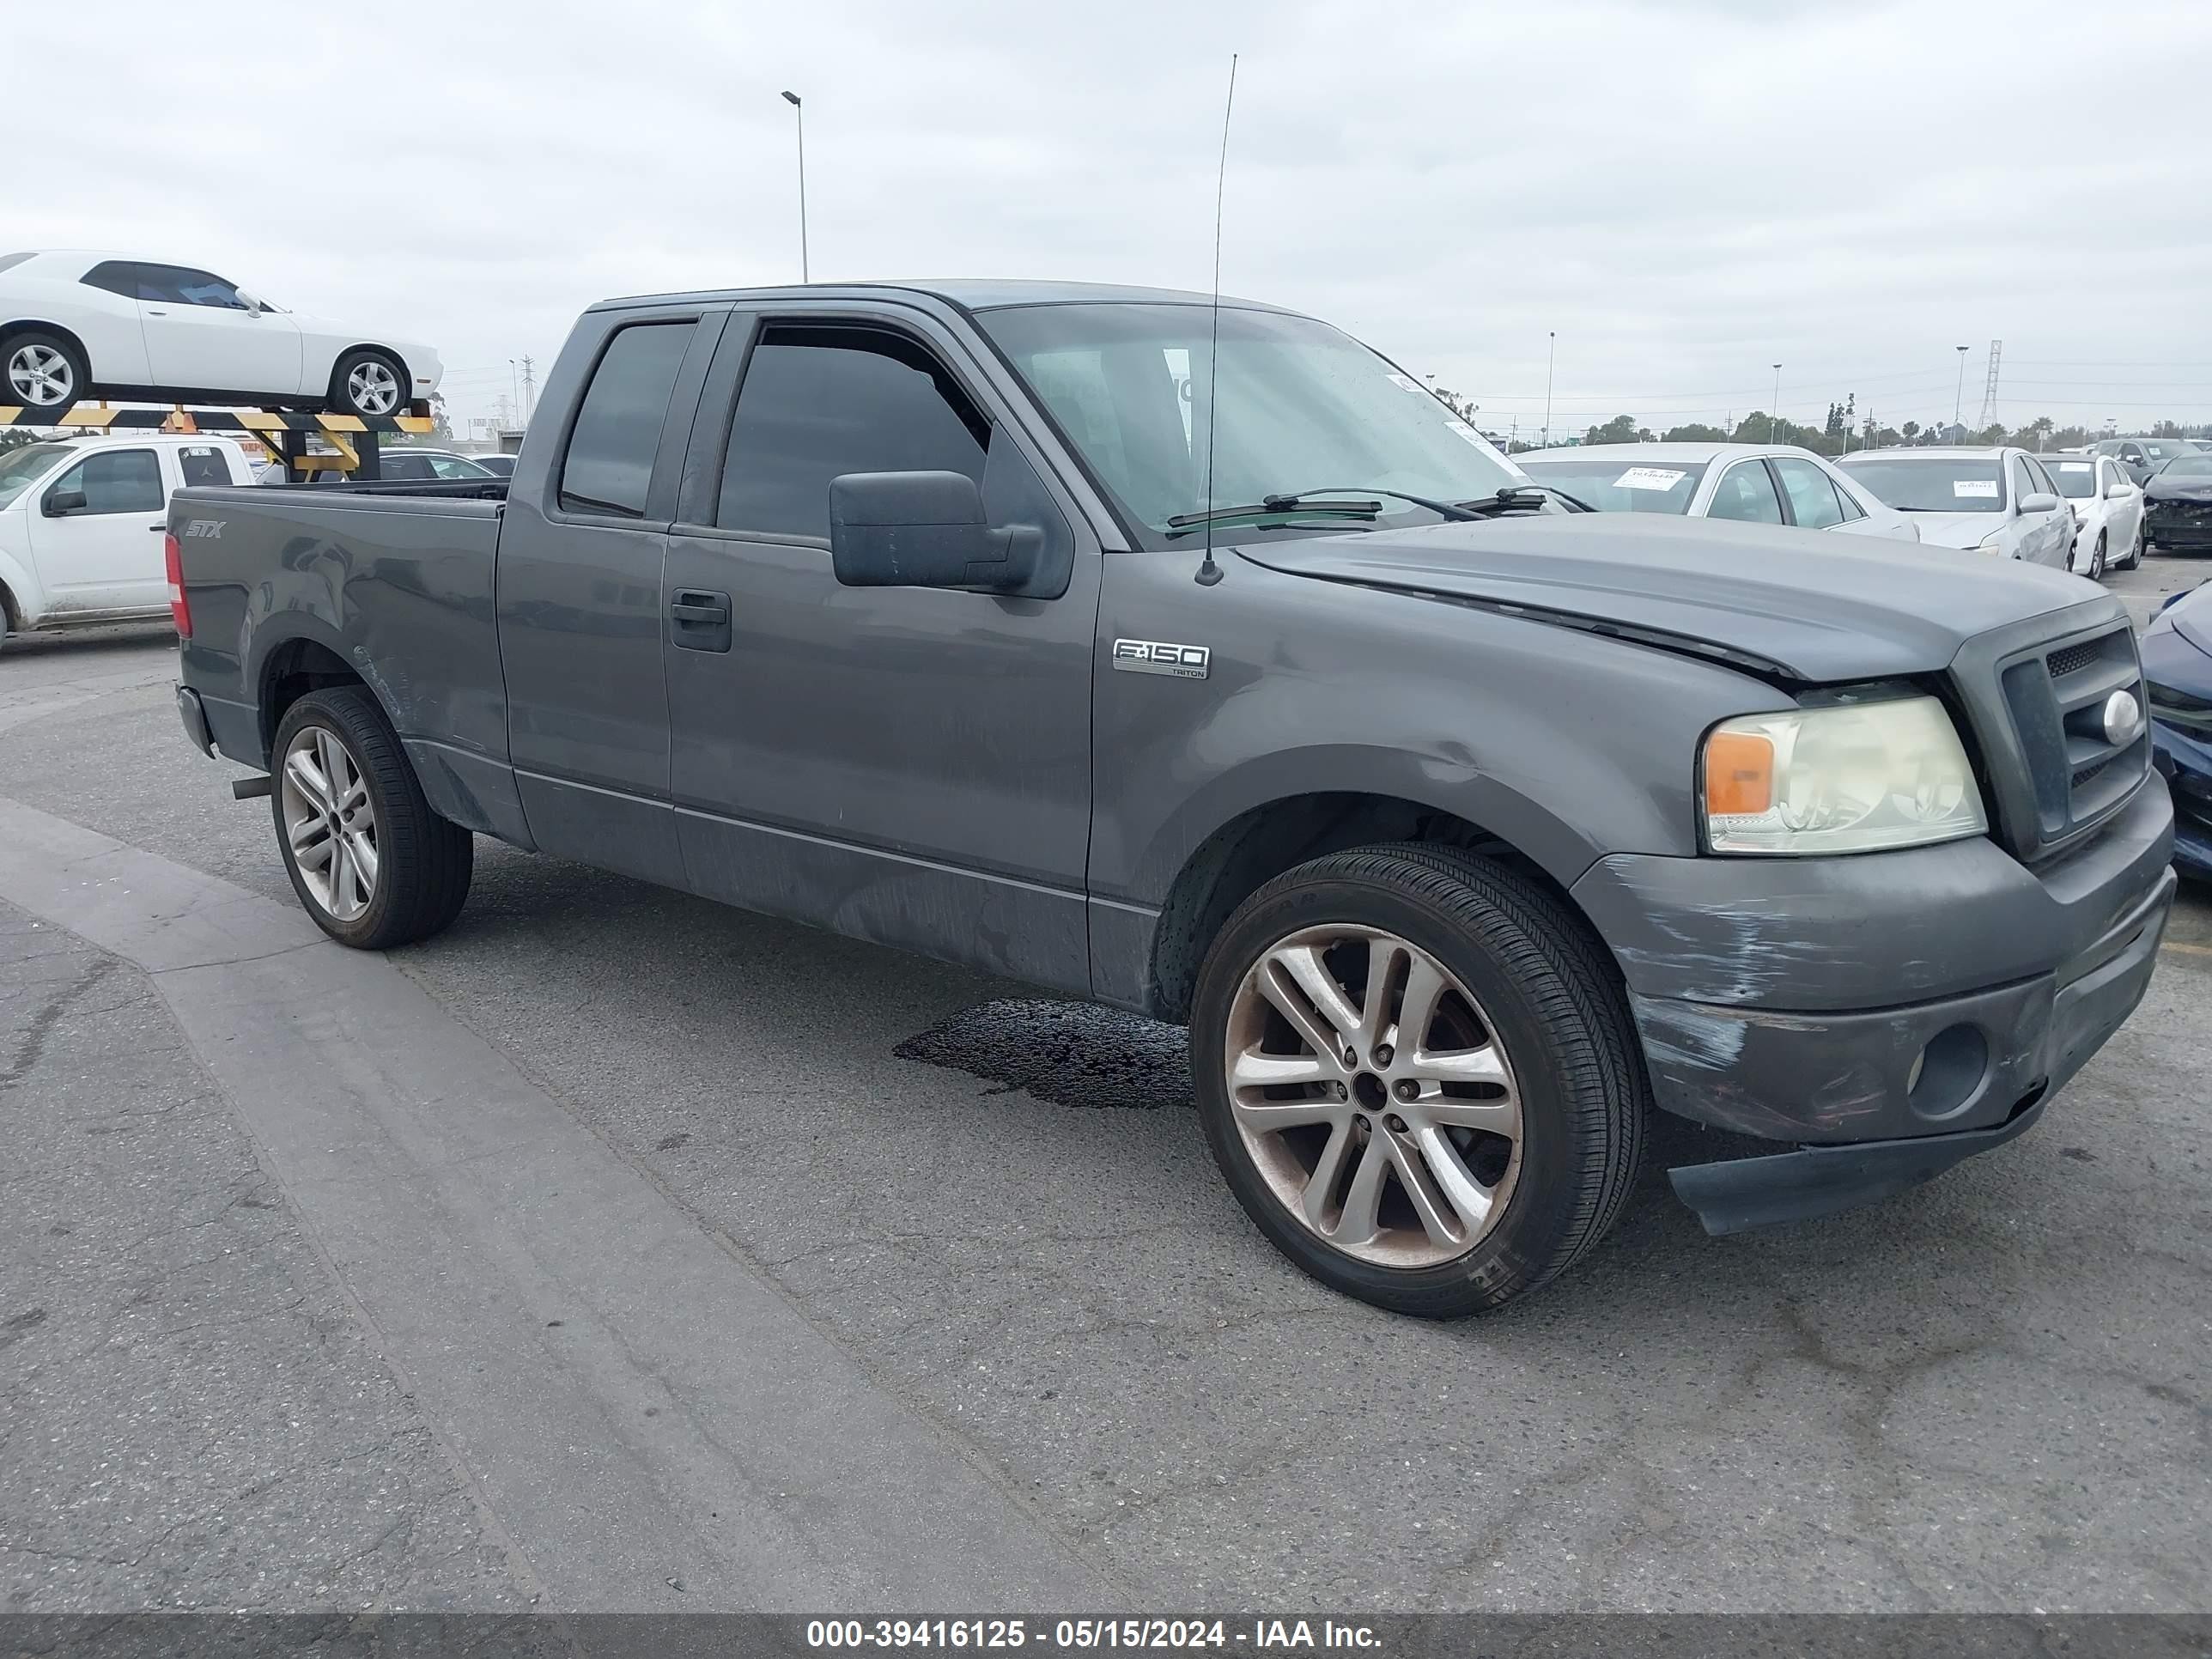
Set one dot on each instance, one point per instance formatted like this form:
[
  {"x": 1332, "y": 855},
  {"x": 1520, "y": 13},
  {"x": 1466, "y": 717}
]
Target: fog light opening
[{"x": 1947, "y": 1075}]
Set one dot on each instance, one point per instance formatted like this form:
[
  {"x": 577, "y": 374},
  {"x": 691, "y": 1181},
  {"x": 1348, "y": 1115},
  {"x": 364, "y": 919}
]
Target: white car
[
  {"x": 2108, "y": 512},
  {"x": 1994, "y": 500},
  {"x": 398, "y": 464},
  {"x": 1762, "y": 484},
  {"x": 77, "y": 324},
  {"x": 80, "y": 522}
]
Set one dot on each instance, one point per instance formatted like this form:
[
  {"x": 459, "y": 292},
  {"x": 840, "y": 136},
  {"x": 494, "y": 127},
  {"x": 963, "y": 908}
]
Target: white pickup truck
[{"x": 80, "y": 520}]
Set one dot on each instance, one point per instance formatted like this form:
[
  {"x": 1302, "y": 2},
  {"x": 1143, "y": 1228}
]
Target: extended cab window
[
  {"x": 117, "y": 481},
  {"x": 821, "y": 400},
  {"x": 609, "y": 466},
  {"x": 202, "y": 465}
]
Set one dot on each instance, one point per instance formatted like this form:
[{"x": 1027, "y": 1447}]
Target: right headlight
[
  {"x": 1992, "y": 542},
  {"x": 1845, "y": 778}
]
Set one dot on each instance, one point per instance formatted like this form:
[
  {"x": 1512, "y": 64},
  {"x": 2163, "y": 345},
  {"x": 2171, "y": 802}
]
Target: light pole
[
  {"x": 800, "y": 108},
  {"x": 1550, "y": 363},
  {"x": 1959, "y": 400}
]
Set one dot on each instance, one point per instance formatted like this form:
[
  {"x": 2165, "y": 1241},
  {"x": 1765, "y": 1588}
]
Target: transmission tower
[{"x": 1989, "y": 387}]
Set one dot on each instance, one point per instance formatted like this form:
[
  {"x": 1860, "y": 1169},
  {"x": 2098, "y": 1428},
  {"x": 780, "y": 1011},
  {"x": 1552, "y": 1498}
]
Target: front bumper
[
  {"x": 2170, "y": 529},
  {"x": 2185, "y": 760},
  {"x": 1907, "y": 1008}
]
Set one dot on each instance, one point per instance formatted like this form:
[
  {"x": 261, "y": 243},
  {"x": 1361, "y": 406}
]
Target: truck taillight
[{"x": 172, "y": 558}]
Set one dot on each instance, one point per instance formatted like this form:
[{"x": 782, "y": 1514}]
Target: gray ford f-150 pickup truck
[{"x": 1461, "y": 828}]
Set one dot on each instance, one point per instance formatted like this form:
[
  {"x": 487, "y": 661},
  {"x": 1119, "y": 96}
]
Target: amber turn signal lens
[{"x": 1738, "y": 774}]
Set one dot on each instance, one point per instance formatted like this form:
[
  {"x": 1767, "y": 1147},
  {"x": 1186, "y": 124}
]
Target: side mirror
[
  {"x": 60, "y": 503},
  {"x": 2114, "y": 491},
  {"x": 253, "y": 306},
  {"x": 924, "y": 530},
  {"x": 2040, "y": 501}
]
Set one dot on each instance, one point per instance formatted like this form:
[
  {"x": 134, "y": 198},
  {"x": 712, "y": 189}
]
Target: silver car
[
  {"x": 1995, "y": 501},
  {"x": 1762, "y": 484}
]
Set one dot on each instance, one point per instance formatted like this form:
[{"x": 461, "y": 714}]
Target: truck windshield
[
  {"x": 1302, "y": 405},
  {"x": 20, "y": 468}
]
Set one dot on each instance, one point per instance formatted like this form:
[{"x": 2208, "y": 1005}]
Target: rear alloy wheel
[
  {"x": 368, "y": 383},
  {"x": 371, "y": 862},
  {"x": 1415, "y": 1069},
  {"x": 41, "y": 371}
]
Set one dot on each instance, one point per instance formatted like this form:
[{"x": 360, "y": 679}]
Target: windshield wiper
[
  {"x": 1275, "y": 507},
  {"x": 1515, "y": 498}
]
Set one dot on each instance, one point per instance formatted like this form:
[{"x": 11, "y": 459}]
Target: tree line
[{"x": 1844, "y": 430}]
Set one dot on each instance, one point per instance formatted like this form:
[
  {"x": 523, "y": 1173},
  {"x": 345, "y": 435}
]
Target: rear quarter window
[{"x": 609, "y": 466}]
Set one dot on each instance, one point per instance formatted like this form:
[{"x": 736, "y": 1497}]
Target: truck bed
[{"x": 393, "y": 581}]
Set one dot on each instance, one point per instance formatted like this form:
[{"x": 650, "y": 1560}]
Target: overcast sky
[{"x": 1687, "y": 192}]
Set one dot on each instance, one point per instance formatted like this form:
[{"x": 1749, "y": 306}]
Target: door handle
[
  {"x": 700, "y": 609},
  {"x": 702, "y": 618},
  {"x": 150, "y": 312},
  {"x": 157, "y": 528}
]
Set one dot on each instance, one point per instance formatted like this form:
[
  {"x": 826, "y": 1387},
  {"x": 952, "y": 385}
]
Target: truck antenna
[{"x": 1209, "y": 572}]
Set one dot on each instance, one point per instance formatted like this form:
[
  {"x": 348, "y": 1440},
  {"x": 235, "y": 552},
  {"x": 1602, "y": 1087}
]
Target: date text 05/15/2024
[{"x": 1084, "y": 1635}]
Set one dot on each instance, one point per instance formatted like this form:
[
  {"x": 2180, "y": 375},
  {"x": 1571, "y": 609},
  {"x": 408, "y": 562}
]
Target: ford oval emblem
[{"x": 2123, "y": 717}]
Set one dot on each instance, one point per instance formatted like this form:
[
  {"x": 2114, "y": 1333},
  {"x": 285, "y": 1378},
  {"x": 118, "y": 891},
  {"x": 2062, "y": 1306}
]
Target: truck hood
[{"x": 1811, "y": 606}]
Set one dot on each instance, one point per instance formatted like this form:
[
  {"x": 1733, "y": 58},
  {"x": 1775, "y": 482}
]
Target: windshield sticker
[
  {"x": 1461, "y": 429},
  {"x": 1973, "y": 489},
  {"x": 1407, "y": 382},
  {"x": 1648, "y": 477},
  {"x": 2073, "y": 466}
]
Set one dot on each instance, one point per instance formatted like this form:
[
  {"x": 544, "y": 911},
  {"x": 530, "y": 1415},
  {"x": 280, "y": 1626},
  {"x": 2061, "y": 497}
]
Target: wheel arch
[
  {"x": 398, "y": 357},
  {"x": 306, "y": 657},
  {"x": 15, "y": 326},
  {"x": 1266, "y": 839}
]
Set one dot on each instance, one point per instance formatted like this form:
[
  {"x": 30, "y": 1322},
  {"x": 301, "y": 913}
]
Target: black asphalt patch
[{"x": 1071, "y": 1054}]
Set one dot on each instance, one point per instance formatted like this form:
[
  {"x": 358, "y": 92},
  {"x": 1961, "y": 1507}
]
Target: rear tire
[
  {"x": 40, "y": 369},
  {"x": 1562, "y": 1098},
  {"x": 370, "y": 862}
]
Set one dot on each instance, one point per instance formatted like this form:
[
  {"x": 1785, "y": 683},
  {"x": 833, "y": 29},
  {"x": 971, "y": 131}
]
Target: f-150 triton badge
[{"x": 1185, "y": 662}]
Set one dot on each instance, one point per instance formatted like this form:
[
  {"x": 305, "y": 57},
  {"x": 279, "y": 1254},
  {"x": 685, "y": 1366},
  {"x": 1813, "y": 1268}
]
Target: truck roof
[{"x": 969, "y": 293}]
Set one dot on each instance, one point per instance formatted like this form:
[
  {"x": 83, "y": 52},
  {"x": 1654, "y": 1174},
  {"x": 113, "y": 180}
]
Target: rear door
[
  {"x": 106, "y": 554},
  {"x": 581, "y": 600},
  {"x": 907, "y": 765},
  {"x": 200, "y": 334}
]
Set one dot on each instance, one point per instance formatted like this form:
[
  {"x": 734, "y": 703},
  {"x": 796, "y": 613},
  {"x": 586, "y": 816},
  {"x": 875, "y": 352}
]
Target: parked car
[
  {"x": 75, "y": 518},
  {"x": 396, "y": 464},
  {"x": 2177, "y": 656},
  {"x": 2143, "y": 456},
  {"x": 73, "y": 324},
  {"x": 2108, "y": 512},
  {"x": 498, "y": 465},
  {"x": 1757, "y": 483},
  {"x": 1459, "y": 827},
  {"x": 2177, "y": 505},
  {"x": 1994, "y": 500}
]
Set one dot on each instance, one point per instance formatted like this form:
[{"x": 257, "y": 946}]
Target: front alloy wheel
[
  {"x": 371, "y": 388},
  {"x": 1373, "y": 1097},
  {"x": 329, "y": 823}
]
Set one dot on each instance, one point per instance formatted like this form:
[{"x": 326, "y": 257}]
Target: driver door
[
  {"x": 901, "y": 764},
  {"x": 200, "y": 334},
  {"x": 103, "y": 556}
]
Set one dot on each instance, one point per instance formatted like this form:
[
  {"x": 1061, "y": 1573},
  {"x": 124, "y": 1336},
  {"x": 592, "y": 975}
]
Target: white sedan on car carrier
[
  {"x": 76, "y": 325},
  {"x": 78, "y": 520}
]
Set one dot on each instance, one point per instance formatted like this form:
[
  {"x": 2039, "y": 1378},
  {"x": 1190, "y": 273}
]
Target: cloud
[{"x": 1687, "y": 193}]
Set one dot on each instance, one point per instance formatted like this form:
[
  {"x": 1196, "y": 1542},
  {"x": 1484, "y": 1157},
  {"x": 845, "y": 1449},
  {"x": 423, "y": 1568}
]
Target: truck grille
[{"x": 2054, "y": 698}]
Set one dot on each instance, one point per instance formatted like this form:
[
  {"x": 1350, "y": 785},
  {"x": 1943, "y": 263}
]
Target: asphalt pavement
[{"x": 618, "y": 1250}]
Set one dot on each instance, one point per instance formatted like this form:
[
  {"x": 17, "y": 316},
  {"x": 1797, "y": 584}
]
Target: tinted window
[
  {"x": 1614, "y": 485},
  {"x": 9, "y": 261},
  {"x": 201, "y": 287},
  {"x": 399, "y": 467},
  {"x": 453, "y": 467},
  {"x": 2077, "y": 479},
  {"x": 203, "y": 464},
  {"x": 115, "y": 276},
  {"x": 1931, "y": 484},
  {"x": 609, "y": 466},
  {"x": 1812, "y": 498},
  {"x": 817, "y": 401},
  {"x": 1746, "y": 492},
  {"x": 117, "y": 481}
]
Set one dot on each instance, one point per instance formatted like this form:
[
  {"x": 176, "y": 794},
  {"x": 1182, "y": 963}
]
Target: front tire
[
  {"x": 1417, "y": 1072},
  {"x": 370, "y": 862},
  {"x": 2096, "y": 571},
  {"x": 43, "y": 371},
  {"x": 368, "y": 383}
]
